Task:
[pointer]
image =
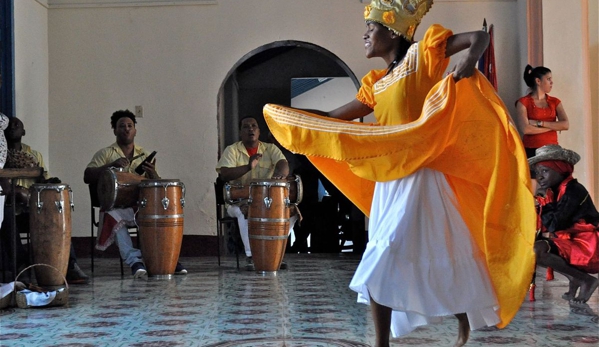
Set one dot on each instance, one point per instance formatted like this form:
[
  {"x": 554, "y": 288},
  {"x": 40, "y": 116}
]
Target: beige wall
[
  {"x": 568, "y": 47},
  {"x": 31, "y": 73},
  {"x": 173, "y": 59},
  {"x": 594, "y": 88}
]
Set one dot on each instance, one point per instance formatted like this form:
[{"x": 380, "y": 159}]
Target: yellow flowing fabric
[{"x": 465, "y": 132}]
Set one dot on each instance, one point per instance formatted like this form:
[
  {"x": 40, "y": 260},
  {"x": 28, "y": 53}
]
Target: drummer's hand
[
  {"x": 120, "y": 162},
  {"x": 150, "y": 169},
  {"x": 53, "y": 180},
  {"x": 278, "y": 176},
  {"x": 254, "y": 160}
]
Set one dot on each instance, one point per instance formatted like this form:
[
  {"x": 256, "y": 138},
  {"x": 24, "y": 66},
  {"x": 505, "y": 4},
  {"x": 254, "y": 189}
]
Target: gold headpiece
[{"x": 401, "y": 16}]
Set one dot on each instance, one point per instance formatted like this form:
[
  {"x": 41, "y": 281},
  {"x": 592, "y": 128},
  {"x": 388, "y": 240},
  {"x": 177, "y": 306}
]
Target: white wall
[
  {"x": 594, "y": 88},
  {"x": 31, "y": 73},
  {"x": 566, "y": 53},
  {"x": 173, "y": 59},
  {"x": 328, "y": 96}
]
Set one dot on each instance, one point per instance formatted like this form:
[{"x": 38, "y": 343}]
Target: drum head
[
  {"x": 107, "y": 186},
  {"x": 160, "y": 183},
  {"x": 50, "y": 186},
  {"x": 268, "y": 182}
]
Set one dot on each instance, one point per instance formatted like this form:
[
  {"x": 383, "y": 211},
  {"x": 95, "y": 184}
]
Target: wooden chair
[
  {"x": 223, "y": 219},
  {"x": 95, "y": 211}
]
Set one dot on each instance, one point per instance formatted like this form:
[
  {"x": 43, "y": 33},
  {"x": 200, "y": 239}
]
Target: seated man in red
[{"x": 568, "y": 222}]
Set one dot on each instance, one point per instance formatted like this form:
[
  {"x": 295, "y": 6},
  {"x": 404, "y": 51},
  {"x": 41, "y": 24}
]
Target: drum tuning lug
[
  {"x": 40, "y": 204},
  {"x": 182, "y": 202},
  {"x": 287, "y": 202},
  {"x": 267, "y": 202},
  {"x": 59, "y": 205},
  {"x": 71, "y": 199},
  {"x": 165, "y": 202},
  {"x": 250, "y": 201},
  {"x": 143, "y": 202}
]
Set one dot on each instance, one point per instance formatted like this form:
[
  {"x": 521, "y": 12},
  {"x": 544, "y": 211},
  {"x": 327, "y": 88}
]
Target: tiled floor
[{"x": 307, "y": 305}]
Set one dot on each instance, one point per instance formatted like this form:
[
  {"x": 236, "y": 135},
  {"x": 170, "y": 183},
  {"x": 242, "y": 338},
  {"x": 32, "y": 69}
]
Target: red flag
[{"x": 489, "y": 60}]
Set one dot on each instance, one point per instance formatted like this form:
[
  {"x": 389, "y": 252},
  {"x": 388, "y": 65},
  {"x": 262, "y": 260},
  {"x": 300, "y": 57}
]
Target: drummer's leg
[
  {"x": 292, "y": 221},
  {"x": 74, "y": 273},
  {"x": 235, "y": 211},
  {"x": 129, "y": 254},
  {"x": 124, "y": 217}
]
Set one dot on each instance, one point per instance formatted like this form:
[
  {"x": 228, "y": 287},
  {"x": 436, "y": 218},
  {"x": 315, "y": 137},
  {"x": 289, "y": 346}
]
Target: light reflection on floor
[{"x": 307, "y": 305}]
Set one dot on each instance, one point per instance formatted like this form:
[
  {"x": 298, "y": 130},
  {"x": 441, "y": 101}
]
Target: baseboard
[{"x": 192, "y": 246}]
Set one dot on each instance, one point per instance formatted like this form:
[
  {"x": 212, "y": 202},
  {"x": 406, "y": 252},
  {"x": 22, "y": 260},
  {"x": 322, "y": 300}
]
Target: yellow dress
[{"x": 445, "y": 157}]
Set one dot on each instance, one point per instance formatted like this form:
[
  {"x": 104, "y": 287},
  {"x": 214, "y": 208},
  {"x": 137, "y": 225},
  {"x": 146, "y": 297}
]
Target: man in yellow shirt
[
  {"x": 124, "y": 153},
  {"x": 246, "y": 160},
  {"x": 20, "y": 154}
]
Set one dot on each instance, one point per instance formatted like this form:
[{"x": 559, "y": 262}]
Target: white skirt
[{"x": 421, "y": 260}]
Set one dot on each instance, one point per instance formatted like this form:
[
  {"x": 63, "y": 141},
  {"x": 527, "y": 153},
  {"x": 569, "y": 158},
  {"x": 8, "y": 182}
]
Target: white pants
[
  {"x": 124, "y": 218},
  {"x": 235, "y": 211}
]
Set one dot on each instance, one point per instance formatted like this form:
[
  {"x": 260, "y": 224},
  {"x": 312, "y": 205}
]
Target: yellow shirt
[
  {"x": 27, "y": 182},
  {"x": 113, "y": 152},
  {"x": 237, "y": 155},
  {"x": 398, "y": 97},
  {"x": 463, "y": 130}
]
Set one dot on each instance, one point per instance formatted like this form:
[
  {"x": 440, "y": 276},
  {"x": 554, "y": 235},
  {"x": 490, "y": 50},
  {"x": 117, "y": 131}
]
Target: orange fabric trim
[{"x": 465, "y": 132}]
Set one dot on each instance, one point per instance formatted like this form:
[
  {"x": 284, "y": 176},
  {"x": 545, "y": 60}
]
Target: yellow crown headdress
[{"x": 401, "y": 16}]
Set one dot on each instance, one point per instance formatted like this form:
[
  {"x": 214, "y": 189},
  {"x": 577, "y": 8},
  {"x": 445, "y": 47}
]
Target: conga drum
[
  {"x": 233, "y": 192},
  {"x": 118, "y": 189},
  {"x": 160, "y": 221},
  {"x": 50, "y": 207},
  {"x": 296, "y": 189},
  {"x": 268, "y": 223}
]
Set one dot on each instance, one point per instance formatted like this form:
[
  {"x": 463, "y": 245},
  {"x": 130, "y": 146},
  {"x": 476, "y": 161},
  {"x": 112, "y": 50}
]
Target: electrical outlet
[{"x": 139, "y": 111}]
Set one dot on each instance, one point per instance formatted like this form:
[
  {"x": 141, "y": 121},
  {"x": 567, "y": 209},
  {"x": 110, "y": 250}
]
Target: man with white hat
[{"x": 567, "y": 220}]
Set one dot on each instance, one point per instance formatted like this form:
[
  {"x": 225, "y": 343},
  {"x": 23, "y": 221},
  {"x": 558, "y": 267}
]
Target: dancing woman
[{"x": 445, "y": 238}]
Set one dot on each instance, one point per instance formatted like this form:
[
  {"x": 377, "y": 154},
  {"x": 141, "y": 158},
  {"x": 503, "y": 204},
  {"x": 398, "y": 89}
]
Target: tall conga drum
[
  {"x": 118, "y": 189},
  {"x": 50, "y": 207},
  {"x": 268, "y": 223},
  {"x": 160, "y": 221}
]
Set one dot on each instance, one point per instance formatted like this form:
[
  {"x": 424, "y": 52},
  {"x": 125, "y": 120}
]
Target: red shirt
[
  {"x": 547, "y": 114},
  {"x": 252, "y": 151}
]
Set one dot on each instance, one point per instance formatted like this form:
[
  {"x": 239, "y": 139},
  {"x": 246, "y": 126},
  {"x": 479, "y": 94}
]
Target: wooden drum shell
[
  {"x": 50, "y": 207},
  {"x": 268, "y": 224},
  {"x": 118, "y": 189},
  {"x": 161, "y": 224}
]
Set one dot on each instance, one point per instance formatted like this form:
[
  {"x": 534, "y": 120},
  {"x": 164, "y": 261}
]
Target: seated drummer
[
  {"x": 244, "y": 161},
  {"x": 113, "y": 224},
  {"x": 568, "y": 222},
  {"x": 20, "y": 156}
]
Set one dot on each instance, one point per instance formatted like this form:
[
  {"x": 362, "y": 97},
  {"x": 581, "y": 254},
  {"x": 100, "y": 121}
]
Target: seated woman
[{"x": 567, "y": 220}]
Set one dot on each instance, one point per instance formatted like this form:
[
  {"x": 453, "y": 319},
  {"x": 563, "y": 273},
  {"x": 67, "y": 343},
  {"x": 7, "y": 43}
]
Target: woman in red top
[{"x": 540, "y": 116}]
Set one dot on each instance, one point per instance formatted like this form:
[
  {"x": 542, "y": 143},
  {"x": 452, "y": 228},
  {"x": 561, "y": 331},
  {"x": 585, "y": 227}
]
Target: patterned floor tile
[{"x": 308, "y": 305}]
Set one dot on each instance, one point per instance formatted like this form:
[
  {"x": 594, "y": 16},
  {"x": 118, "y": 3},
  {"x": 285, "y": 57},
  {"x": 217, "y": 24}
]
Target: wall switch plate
[{"x": 139, "y": 111}]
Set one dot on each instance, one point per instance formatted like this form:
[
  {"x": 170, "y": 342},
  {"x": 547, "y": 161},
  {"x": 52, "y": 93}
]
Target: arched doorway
[{"x": 265, "y": 75}]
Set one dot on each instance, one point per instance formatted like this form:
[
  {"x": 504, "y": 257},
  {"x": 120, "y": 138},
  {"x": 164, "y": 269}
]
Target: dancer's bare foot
[
  {"x": 587, "y": 288},
  {"x": 573, "y": 286},
  {"x": 463, "y": 330}
]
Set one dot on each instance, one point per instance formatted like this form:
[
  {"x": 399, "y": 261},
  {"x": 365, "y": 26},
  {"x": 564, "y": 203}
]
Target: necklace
[{"x": 391, "y": 66}]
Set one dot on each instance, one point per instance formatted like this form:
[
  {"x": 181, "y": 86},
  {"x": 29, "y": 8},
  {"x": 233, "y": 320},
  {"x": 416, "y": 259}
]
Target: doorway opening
[{"x": 277, "y": 73}]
